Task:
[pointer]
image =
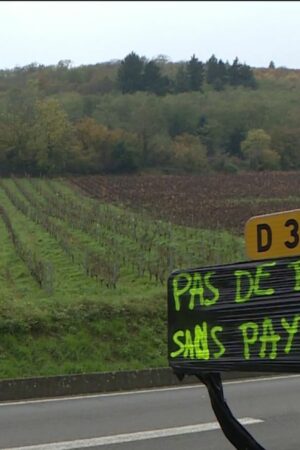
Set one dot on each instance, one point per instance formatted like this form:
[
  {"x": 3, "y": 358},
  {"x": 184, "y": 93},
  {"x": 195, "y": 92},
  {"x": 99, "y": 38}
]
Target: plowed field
[{"x": 210, "y": 201}]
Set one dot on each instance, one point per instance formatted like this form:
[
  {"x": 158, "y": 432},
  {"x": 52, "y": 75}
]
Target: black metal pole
[{"x": 233, "y": 430}]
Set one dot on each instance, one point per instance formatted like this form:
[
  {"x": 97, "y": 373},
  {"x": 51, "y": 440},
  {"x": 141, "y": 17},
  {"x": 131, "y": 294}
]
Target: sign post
[{"x": 239, "y": 317}]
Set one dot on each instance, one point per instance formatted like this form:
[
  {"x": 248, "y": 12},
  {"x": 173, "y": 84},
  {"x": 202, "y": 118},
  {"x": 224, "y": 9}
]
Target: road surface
[{"x": 176, "y": 418}]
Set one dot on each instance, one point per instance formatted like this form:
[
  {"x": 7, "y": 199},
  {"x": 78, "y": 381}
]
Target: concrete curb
[{"x": 96, "y": 383}]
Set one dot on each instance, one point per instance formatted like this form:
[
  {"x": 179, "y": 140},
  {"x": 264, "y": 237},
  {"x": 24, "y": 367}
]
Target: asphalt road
[{"x": 155, "y": 419}]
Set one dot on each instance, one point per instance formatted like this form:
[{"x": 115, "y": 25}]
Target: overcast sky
[{"x": 90, "y": 32}]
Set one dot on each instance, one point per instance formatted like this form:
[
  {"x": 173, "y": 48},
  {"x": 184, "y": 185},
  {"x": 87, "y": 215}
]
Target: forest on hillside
[{"x": 148, "y": 115}]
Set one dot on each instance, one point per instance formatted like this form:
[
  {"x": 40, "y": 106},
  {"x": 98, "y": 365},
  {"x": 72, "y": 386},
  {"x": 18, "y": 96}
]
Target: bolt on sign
[
  {"x": 243, "y": 316},
  {"x": 273, "y": 235}
]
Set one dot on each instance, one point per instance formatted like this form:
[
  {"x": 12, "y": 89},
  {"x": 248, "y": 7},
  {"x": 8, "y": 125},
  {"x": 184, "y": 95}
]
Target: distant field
[
  {"x": 83, "y": 282},
  {"x": 218, "y": 201}
]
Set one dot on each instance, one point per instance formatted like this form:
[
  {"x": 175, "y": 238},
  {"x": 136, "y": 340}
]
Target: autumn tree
[
  {"x": 104, "y": 150},
  {"x": 148, "y": 118},
  {"x": 256, "y": 149},
  {"x": 16, "y": 123},
  {"x": 286, "y": 141},
  {"x": 189, "y": 154},
  {"x": 51, "y": 137},
  {"x": 90, "y": 135},
  {"x": 160, "y": 151}
]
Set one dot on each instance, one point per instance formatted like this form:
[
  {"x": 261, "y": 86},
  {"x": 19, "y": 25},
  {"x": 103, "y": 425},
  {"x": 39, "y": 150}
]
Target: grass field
[{"x": 83, "y": 281}]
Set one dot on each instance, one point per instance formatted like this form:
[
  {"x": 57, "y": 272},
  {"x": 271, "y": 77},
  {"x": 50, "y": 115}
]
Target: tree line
[
  {"x": 133, "y": 73},
  {"x": 138, "y": 74},
  {"x": 171, "y": 117}
]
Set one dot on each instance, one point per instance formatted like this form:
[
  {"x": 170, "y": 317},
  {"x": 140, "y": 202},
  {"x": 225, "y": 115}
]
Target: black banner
[{"x": 243, "y": 316}]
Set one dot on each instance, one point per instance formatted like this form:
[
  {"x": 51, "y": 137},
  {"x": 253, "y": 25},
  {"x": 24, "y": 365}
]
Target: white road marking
[
  {"x": 131, "y": 437},
  {"x": 142, "y": 391}
]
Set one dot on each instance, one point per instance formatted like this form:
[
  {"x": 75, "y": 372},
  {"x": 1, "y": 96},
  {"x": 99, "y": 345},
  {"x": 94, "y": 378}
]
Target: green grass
[
  {"x": 102, "y": 345},
  {"x": 84, "y": 326},
  {"x": 264, "y": 200}
]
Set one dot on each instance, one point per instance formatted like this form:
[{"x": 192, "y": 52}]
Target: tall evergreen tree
[
  {"x": 216, "y": 73},
  {"x": 241, "y": 74},
  {"x": 246, "y": 77},
  {"x": 271, "y": 65},
  {"x": 212, "y": 70},
  {"x": 195, "y": 74},
  {"x": 233, "y": 141},
  {"x": 234, "y": 72},
  {"x": 181, "y": 79},
  {"x": 130, "y": 74},
  {"x": 222, "y": 73},
  {"x": 153, "y": 81}
]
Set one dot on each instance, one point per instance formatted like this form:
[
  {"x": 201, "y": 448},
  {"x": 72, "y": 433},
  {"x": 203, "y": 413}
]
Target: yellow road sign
[{"x": 273, "y": 235}]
